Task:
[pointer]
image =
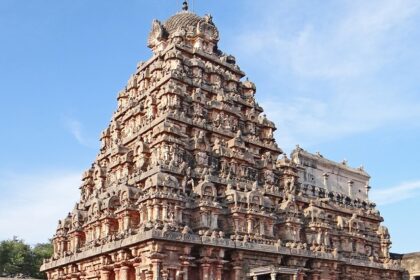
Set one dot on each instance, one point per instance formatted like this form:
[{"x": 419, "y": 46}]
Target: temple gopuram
[{"x": 189, "y": 184}]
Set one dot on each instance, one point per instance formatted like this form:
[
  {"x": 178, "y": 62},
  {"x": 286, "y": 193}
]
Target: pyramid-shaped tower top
[{"x": 186, "y": 126}]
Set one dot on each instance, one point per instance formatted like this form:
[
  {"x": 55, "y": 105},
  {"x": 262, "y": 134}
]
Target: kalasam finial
[{"x": 185, "y": 6}]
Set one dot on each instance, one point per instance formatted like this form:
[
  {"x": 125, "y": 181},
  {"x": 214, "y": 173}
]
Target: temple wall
[
  {"x": 411, "y": 263},
  {"x": 332, "y": 176}
]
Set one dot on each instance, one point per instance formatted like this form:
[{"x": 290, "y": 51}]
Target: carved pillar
[
  {"x": 219, "y": 271},
  {"x": 98, "y": 233},
  {"x": 172, "y": 275},
  {"x": 149, "y": 211},
  {"x": 105, "y": 274},
  {"x": 117, "y": 273},
  {"x": 325, "y": 175},
  {"x": 178, "y": 214},
  {"x": 165, "y": 275},
  {"x": 250, "y": 225},
  {"x": 300, "y": 276},
  {"x": 164, "y": 211},
  {"x": 124, "y": 273},
  {"x": 137, "y": 271},
  {"x": 156, "y": 269},
  {"x": 205, "y": 271},
  {"x": 126, "y": 221},
  {"x": 214, "y": 219},
  {"x": 185, "y": 264},
  {"x": 315, "y": 276},
  {"x": 185, "y": 271},
  {"x": 262, "y": 228},
  {"x": 156, "y": 211},
  {"x": 76, "y": 241},
  {"x": 149, "y": 275},
  {"x": 237, "y": 272},
  {"x": 270, "y": 228},
  {"x": 333, "y": 275}
]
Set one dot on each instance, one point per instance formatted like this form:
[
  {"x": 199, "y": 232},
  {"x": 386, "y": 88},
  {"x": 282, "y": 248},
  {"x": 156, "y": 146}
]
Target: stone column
[
  {"x": 270, "y": 229},
  {"x": 185, "y": 270},
  {"x": 237, "y": 271},
  {"x": 164, "y": 211},
  {"x": 126, "y": 221},
  {"x": 262, "y": 228},
  {"x": 156, "y": 269},
  {"x": 172, "y": 274},
  {"x": 137, "y": 271},
  {"x": 205, "y": 270},
  {"x": 185, "y": 264},
  {"x": 178, "y": 213},
  {"x": 333, "y": 276},
  {"x": 219, "y": 271},
  {"x": 149, "y": 275},
  {"x": 156, "y": 212},
  {"x": 124, "y": 270},
  {"x": 117, "y": 273},
  {"x": 165, "y": 275},
  {"x": 250, "y": 225},
  {"x": 255, "y": 277},
  {"x": 273, "y": 276},
  {"x": 105, "y": 274},
  {"x": 149, "y": 212},
  {"x": 315, "y": 276},
  {"x": 300, "y": 276}
]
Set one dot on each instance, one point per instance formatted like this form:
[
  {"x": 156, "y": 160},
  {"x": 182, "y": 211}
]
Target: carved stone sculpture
[{"x": 189, "y": 184}]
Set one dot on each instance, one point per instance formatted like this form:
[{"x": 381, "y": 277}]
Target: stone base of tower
[{"x": 158, "y": 255}]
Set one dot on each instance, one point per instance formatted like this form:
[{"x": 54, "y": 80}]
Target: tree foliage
[{"x": 20, "y": 259}]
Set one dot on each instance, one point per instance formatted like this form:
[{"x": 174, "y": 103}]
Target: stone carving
[
  {"x": 341, "y": 222},
  {"x": 314, "y": 213},
  {"x": 190, "y": 183}
]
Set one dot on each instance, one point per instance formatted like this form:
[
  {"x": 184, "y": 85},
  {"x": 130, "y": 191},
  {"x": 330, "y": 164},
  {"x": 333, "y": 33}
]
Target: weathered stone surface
[
  {"x": 411, "y": 263},
  {"x": 189, "y": 183}
]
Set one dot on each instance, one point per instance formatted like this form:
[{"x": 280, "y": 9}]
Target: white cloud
[
  {"x": 355, "y": 41},
  {"x": 396, "y": 194},
  {"x": 76, "y": 129},
  {"x": 355, "y": 44},
  {"x": 31, "y": 204},
  {"x": 334, "y": 62},
  {"x": 310, "y": 121}
]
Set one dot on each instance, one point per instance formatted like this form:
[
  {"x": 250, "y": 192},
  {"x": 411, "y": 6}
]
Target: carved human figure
[
  {"x": 340, "y": 222},
  {"x": 353, "y": 223}
]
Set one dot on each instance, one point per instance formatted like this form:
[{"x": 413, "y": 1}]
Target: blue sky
[{"x": 339, "y": 77}]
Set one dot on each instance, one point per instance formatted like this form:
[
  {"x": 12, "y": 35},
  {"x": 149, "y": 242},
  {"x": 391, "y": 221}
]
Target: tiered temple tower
[{"x": 189, "y": 184}]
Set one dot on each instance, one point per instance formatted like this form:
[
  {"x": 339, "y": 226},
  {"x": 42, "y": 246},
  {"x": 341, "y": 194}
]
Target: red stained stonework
[{"x": 189, "y": 184}]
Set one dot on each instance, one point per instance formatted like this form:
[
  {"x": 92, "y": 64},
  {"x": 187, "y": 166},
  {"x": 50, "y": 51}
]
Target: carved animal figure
[{"x": 315, "y": 213}]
